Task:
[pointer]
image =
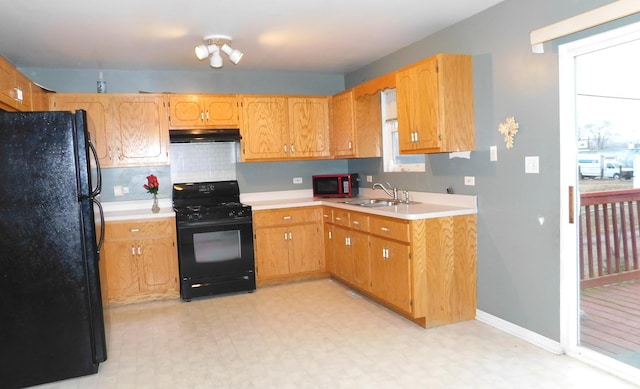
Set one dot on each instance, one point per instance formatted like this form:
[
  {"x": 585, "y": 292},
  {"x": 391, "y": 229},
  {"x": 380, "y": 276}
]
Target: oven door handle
[{"x": 214, "y": 223}]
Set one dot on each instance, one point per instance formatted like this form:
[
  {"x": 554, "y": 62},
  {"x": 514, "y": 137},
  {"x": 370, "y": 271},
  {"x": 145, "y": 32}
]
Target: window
[{"x": 393, "y": 160}]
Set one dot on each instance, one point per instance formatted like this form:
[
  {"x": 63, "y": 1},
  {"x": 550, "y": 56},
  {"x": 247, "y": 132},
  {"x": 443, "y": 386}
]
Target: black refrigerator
[{"x": 51, "y": 318}]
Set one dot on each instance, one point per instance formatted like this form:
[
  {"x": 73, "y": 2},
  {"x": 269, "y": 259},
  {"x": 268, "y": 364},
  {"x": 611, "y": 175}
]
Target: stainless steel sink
[{"x": 374, "y": 202}]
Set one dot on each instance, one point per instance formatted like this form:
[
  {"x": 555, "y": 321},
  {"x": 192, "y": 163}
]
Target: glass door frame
[{"x": 569, "y": 269}]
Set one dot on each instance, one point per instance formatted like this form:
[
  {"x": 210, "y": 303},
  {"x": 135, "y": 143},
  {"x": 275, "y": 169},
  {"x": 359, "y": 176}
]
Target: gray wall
[
  {"x": 518, "y": 258},
  {"x": 206, "y": 81}
]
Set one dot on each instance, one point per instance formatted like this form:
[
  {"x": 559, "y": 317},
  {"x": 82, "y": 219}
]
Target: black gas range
[{"x": 215, "y": 239}]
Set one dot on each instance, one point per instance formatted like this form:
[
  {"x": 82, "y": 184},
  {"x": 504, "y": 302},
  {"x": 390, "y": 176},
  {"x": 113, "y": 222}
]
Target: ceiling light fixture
[{"x": 215, "y": 44}]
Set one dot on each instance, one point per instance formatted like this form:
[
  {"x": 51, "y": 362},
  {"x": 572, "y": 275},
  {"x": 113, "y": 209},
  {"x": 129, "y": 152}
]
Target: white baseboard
[{"x": 520, "y": 332}]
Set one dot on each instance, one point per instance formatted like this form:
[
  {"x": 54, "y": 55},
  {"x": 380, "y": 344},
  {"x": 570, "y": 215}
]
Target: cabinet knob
[
  {"x": 385, "y": 229},
  {"x": 356, "y": 222},
  {"x": 134, "y": 230},
  {"x": 287, "y": 217}
]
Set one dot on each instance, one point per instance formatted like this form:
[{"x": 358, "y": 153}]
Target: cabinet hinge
[
  {"x": 409, "y": 256},
  {"x": 437, "y": 69},
  {"x": 411, "y": 303}
]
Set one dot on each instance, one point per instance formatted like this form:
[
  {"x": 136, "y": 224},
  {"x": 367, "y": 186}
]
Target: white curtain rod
[{"x": 607, "y": 13}]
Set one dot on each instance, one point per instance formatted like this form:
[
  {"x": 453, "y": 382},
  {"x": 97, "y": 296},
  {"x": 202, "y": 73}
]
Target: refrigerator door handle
[
  {"x": 98, "y": 188},
  {"x": 101, "y": 239}
]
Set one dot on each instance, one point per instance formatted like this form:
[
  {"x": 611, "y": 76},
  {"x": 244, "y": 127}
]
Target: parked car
[{"x": 602, "y": 166}]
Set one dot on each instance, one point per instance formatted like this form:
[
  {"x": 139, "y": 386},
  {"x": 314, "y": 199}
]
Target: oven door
[{"x": 215, "y": 252}]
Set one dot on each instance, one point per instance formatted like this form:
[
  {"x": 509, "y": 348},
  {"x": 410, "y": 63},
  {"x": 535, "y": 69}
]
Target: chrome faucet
[{"x": 393, "y": 192}]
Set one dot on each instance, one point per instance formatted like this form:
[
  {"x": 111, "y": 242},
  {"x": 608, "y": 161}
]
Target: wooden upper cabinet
[
  {"x": 343, "y": 135},
  {"x": 368, "y": 125},
  {"x": 435, "y": 105},
  {"x": 139, "y": 130},
  {"x": 263, "y": 127},
  {"x": 283, "y": 128},
  {"x": 309, "y": 127},
  {"x": 96, "y": 107},
  {"x": 203, "y": 111},
  {"x": 126, "y": 129},
  {"x": 15, "y": 88}
]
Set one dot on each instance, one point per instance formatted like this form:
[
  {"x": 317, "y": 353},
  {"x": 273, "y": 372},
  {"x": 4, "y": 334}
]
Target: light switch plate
[
  {"x": 469, "y": 180},
  {"x": 493, "y": 153},
  {"x": 297, "y": 180},
  {"x": 532, "y": 164}
]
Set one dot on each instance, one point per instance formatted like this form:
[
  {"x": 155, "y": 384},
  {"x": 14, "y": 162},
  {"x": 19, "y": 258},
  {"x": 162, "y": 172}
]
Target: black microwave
[{"x": 335, "y": 185}]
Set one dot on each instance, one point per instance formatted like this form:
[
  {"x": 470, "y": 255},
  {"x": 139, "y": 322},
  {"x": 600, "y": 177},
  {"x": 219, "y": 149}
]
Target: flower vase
[{"x": 155, "y": 208}]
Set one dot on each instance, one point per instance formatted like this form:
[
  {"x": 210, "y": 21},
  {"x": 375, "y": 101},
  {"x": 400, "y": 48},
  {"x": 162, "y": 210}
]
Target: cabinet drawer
[
  {"x": 327, "y": 215},
  {"x": 284, "y": 217},
  {"x": 389, "y": 228},
  {"x": 359, "y": 221},
  {"x": 341, "y": 217},
  {"x": 139, "y": 229}
]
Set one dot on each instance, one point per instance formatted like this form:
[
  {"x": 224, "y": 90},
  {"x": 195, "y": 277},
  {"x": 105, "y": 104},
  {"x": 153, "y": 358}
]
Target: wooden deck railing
[{"x": 609, "y": 237}]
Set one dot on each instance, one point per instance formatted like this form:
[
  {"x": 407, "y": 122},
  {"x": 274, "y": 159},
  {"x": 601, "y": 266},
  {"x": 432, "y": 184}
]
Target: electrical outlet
[
  {"x": 493, "y": 153},
  {"x": 469, "y": 180},
  {"x": 125, "y": 189},
  {"x": 369, "y": 179},
  {"x": 297, "y": 180},
  {"x": 117, "y": 191}
]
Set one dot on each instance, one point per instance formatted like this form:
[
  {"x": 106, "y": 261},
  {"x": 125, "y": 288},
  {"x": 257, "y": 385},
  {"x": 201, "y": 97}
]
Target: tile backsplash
[{"x": 211, "y": 161}]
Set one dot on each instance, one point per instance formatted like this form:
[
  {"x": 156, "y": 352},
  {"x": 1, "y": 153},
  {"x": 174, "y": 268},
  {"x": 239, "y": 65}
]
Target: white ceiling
[{"x": 328, "y": 36}]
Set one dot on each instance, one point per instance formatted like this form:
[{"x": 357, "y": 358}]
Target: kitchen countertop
[
  {"x": 140, "y": 209},
  {"x": 425, "y": 206}
]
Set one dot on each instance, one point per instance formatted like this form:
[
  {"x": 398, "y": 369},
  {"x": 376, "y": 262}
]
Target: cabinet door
[
  {"x": 140, "y": 130},
  {"x": 96, "y": 108},
  {"x": 122, "y": 269},
  {"x": 418, "y": 107},
  {"x": 185, "y": 111},
  {"x": 7, "y": 84},
  {"x": 368, "y": 126},
  {"x": 264, "y": 130},
  {"x": 342, "y": 125},
  {"x": 343, "y": 254},
  {"x": 221, "y": 111},
  {"x": 309, "y": 127},
  {"x": 361, "y": 259},
  {"x": 390, "y": 272},
  {"x": 329, "y": 249},
  {"x": 209, "y": 111},
  {"x": 271, "y": 252},
  {"x": 305, "y": 249},
  {"x": 24, "y": 97},
  {"x": 157, "y": 265}
]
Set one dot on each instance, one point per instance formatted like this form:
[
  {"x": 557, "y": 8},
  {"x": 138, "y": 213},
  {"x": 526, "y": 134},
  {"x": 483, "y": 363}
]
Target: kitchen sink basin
[{"x": 374, "y": 202}]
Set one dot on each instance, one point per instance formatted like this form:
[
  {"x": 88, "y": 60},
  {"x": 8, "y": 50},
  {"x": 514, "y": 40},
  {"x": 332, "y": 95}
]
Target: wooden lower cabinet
[
  {"x": 287, "y": 243},
  {"x": 391, "y": 272},
  {"x": 140, "y": 260},
  {"x": 329, "y": 235},
  {"x": 423, "y": 269}
]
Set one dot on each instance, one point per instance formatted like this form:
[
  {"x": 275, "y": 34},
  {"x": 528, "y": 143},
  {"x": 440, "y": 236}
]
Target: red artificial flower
[{"x": 152, "y": 184}]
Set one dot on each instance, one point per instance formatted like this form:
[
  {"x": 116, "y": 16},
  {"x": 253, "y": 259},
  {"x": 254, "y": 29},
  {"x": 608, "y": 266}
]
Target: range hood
[{"x": 192, "y": 136}]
